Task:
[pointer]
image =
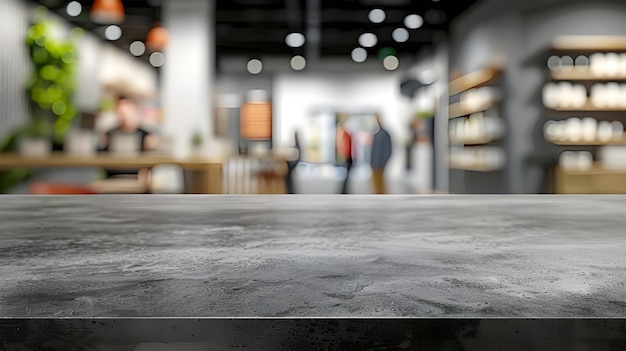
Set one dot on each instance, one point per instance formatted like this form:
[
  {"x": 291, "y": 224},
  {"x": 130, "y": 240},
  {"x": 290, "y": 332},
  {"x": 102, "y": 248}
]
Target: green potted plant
[
  {"x": 197, "y": 141},
  {"x": 51, "y": 85},
  {"x": 35, "y": 139}
]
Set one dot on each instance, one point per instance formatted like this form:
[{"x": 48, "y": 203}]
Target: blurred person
[
  {"x": 381, "y": 153},
  {"x": 292, "y": 163},
  {"x": 344, "y": 151},
  {"x": 129, "y": 123}
]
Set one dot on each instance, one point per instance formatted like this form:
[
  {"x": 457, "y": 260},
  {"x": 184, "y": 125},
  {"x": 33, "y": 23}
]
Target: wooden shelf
[
  {"x": 476, "y": 167},
  {"x": 474, "y": 142},
  {"x": 474, "y": 80},
  {"x": 583, "y": 74},
  {"x": 589, "y": 143},
  {"x": 592, "y": 43},
  {"x": 457, "y": 111},
  {"x": 596, "y": 169},
  {"x": 589, "y": 107}
]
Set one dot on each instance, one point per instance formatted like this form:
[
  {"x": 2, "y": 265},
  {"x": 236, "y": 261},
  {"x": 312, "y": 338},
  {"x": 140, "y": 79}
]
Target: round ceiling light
[
  {"x": 413, "y": 21},
  {"x": 157, "y": 59},
  {"x": 298, "y": 63},
  {"x": 74, "y": 9},
  {"x": 391, "y": 63},
  {"x": 108, "y": 11},
  {"x": 137, "y": 48},
  {"x": 295, "y": 40},
  {"x": 255, "y": 66},
  {"x": 368, "y": 40},
  {"x": 377, "y": 16},
  {"x": 113, "y": 33},
  {"x": 359, "y": 55},
  {"x": 400, "y": 35}
]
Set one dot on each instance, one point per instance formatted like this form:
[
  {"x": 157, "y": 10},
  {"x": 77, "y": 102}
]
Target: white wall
[
  {"x": 297, "y": 96},
  {"x": 188, "y": 74}
]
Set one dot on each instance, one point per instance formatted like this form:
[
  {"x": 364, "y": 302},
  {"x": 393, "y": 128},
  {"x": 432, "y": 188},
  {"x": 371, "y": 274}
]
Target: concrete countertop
[{"x": 319, "y": 256}]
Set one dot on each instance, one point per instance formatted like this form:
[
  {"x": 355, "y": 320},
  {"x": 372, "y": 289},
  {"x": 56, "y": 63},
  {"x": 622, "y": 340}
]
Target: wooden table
[{"x": 204, "y": 175}]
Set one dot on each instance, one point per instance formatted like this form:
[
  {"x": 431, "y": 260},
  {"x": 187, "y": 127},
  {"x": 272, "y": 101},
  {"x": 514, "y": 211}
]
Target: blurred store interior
[{"x": 312, "y": 97}]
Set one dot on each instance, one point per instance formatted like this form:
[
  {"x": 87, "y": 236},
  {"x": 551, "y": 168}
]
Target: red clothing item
[{"x": 346, "y": 143}]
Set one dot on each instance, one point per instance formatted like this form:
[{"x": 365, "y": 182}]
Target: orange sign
[{"x": 256, "y": 121}]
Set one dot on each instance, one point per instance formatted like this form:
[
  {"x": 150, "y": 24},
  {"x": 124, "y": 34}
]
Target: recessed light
[
  {"x": 295, "y": 40},
  {"x": 368, "y": 40},
  {"x": 113, "y": 32},
  {"x": 377, "y": 16},
  {"x": 391, "y": 63},
  {"x": 413, "y": 21},
  {"x": 157, "y": 59},
  {"x": 359, "y": 55},
  {"x": 400, "y": 35},
  {"x": 74, "y": 8},
  {"x": 137, "y": 48},
  {"x": 298, "y": 63},
  {"x": 255, "y": 66}
]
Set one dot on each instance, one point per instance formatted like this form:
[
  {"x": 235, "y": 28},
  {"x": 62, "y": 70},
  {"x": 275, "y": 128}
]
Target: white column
[{"x": 188, "y": 73}]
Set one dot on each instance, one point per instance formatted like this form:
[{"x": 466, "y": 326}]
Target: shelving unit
[
  {"x": 583, "y": 74},
  {"x": 477, "y": 79},
  {"x": 589, "y": 43},
  {"x": 457, "y": 111},
  {"x": 598, "y": 179},
  {"x": 476, "y": 167},
  {"x": 474, "y": 142},
  {"x": 476, "y": 174},
  {"x": 589, "y": 107},
  {"x": 589, "y": 143}
]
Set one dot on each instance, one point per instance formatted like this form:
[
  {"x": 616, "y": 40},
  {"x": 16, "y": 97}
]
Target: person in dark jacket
[
  {"x": 381, "y": 153},
  {"x": 292, "y": 163}
]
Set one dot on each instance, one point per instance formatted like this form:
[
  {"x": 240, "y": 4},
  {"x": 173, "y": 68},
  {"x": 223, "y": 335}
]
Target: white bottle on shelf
[
  {"x": 590, "y": 129},
  {"x": 574, "y": 129},
  {"x": 613, "y": 91},
  {"x": 596, "y": 63},
  {"x": 584, "y": 161},
  {"x": 551, "y": 95},
  {"x": 617, "y": 131},
  {"x": 598, "y": 95},
  {"x": 612, "y": 64},
  {"x": 605, "y": 132}
]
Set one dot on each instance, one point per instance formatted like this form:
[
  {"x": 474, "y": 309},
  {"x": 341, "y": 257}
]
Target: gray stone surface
[{"x": 318, "y": 256}]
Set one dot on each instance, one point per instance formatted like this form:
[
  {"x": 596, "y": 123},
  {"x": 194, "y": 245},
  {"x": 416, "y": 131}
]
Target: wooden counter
[{"x": 204, "y": 175}]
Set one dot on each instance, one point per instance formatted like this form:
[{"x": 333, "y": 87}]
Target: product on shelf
[
  {"x": 564, "y": 95},
  {"x": 485, "y": 157},
  {"x": 477, "y": 128},
  {"x": 571, "y": 160},
  {"x": 479, "y": 99},
  {"x": 588, "y": 129},
  {"x": 612, "y": 156}
]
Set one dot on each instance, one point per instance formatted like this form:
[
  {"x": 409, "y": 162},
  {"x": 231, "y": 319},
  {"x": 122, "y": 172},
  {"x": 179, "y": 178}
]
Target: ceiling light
[
  {"x": 113, "y": 33},
  {"x": 368, "y": 40},
  {"x": 108, "y": 11},
  {"x": 74, "y": 8},
  {"x": 377, "y": 16},
  {"x": 137, "y": 48},
  {"x": 359, "y": 55},
  {"x": 400, "y": 35},
  {"x": 255, "y": 66},
  {"x": 298, "y": 63},
  {"x": 157, "y": 38},
  {"x": 391, "y": 63},
  {"x": 413, "y": 21},
  {"x": 295, "y": 40},
  {"x": 157, "y": 59}
]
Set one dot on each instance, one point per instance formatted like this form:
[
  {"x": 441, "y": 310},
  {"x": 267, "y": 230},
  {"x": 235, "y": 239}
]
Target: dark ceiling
[{"x": 259, "y": 27}]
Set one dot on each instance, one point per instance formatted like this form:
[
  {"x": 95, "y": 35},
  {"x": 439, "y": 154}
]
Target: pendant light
[
  {"x": 108, "y": 11},
  {"x": 157, "y": 38}
]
